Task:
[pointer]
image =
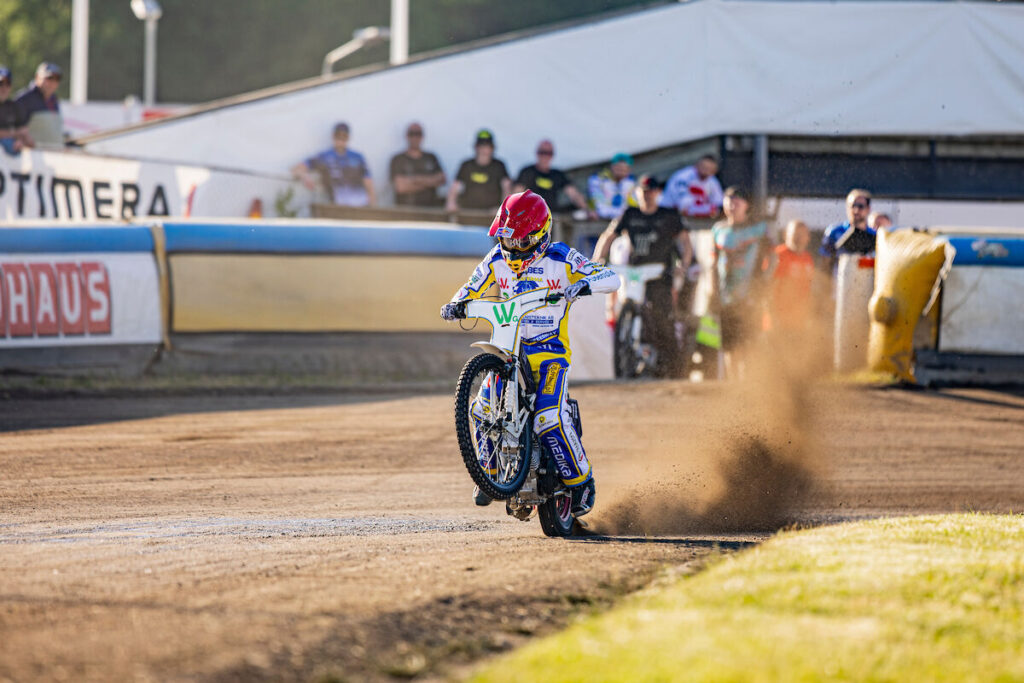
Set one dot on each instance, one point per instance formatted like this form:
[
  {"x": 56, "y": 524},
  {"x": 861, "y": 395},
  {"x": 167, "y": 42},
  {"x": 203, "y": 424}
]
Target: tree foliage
[{"x": 208, "y": 50}]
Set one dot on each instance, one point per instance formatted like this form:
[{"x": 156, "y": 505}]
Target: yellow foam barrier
[{"x": 909, "y": 267}]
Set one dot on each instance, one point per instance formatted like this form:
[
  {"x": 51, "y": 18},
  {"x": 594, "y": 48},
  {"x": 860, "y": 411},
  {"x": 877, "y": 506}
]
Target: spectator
[
  {"x": 549, "y": 182},
  {"x": 13, "y": 118},
  {"x": 609, "y": 189},
  {"x": 343, "y": 172},
  {"x": 852, "y": 236},
  {"x": 878, "y": 220},
  {"x": 694, "y": 190},
  {"x": 416, "y": 174},
  {"x": 792, "y": 266},
  {"x": 482, "y": 182},
  {"x": 40, "y": 97},
  {"x": 740, "y": 245}
]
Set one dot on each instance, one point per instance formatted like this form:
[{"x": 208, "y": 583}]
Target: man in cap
[
  {"x": 609, "y": 189},
  {"x": 342, "y": 170},
  {"x": 14, "y": 134},
  {"x": 415, "y": 174},
  {"x": 41, "y": 93},
  {"x": 482, "y": 182},
  {"x": 549, "y": 182}
]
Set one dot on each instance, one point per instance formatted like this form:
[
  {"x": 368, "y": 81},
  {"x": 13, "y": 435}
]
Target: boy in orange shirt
[{"x": 790, "y": 303}]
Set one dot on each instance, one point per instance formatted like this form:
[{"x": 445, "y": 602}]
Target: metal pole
[
  {"x": 760, "y": 172},
  {"x": 79, "y": 51},
  {"x": 399, "y": 31},
  {"x": 149, "y": 75}
]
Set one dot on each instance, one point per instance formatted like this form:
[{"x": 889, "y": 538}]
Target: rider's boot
[
  {"x": 583, "y": 497},
  {"x": 481, "y": 498}
]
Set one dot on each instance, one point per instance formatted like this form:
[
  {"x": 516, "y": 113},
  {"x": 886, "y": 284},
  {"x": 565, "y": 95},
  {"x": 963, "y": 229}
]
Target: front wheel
[
  {"x": 627, "y": 338},
  {"x": 480, "y": 426}
]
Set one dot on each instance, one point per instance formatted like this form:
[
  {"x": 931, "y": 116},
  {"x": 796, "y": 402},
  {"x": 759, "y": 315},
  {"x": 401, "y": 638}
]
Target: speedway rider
[
  {"x": 524, "y": 259},
  {"x": 656, "y": 235}
]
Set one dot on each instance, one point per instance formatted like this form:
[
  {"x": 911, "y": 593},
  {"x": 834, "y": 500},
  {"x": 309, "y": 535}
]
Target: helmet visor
[{"x": 522, "y": 243}]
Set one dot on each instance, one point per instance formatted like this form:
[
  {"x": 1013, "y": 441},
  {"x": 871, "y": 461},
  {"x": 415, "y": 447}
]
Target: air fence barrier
[
  {"x": 943, "y": 305},
  {"x": 354, "y": 300}
]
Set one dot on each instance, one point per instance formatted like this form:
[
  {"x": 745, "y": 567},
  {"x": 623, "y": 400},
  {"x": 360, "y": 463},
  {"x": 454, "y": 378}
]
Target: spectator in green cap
[{"x": 608, "y": 191}]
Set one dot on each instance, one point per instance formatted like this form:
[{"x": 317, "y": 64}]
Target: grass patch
[{"x": 938, "y": 598}]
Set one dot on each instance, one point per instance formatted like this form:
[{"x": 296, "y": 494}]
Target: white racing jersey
[{"x": 545, "y": 330}]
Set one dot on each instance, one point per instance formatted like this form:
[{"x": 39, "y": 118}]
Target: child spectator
[
  {"x": 789, "y": 299},
  {"x": 878, "y": 220},
  {"x": 609, "y": 190},
  {"x": 343, "y": 171},
  {"x": 740, "y": 245}
]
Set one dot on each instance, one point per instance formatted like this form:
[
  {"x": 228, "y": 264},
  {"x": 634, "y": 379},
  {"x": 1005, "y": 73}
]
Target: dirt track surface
[{"x": 299, "y": 537}]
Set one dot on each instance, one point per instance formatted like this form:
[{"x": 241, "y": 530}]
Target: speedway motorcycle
[
  {"x": 495, "y": 399},
  {"x": 634, "y": 357}
]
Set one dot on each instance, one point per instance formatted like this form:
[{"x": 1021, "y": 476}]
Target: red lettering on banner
[
  {"x": 97, "y": 297},
  {"x": 503, "y": 282},
  {"x": 49, "y": 299},
  {"x": 19, "y": 299},
  {"x": 554, "y": 284},
  {"x": 44, "y": 300},
  {"x": 70, "y": 293}
]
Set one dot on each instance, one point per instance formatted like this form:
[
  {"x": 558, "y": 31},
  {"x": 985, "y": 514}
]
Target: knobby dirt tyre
[
  {"x": 626, "y": 361},
  {"x": 475, "y": 367}
]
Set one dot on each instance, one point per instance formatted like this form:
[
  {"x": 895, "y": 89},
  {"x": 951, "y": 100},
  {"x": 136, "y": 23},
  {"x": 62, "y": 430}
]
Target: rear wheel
[
  {"x": 480, "y": 428},
  {"x": 627, "y": 336},
  {"x": 555, "y": 515}
]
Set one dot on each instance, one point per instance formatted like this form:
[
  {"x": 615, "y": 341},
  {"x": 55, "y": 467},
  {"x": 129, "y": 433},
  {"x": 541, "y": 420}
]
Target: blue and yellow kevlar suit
[{"x": 545, "y": 341}]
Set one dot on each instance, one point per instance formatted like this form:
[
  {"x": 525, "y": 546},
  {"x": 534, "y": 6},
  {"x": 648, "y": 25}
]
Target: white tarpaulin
[{"x": 642, "y": 81}]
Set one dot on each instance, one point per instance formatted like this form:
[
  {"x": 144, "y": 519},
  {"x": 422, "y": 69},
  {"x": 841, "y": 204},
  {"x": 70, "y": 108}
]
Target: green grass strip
[{"x": 937, "y": 598}]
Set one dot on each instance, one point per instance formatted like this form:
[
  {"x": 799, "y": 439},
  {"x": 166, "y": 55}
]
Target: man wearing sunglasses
[
  {"x": 853, "y": 236},
  {"x": 549, "y": 182},
  {"x": 13, "y": 119}
]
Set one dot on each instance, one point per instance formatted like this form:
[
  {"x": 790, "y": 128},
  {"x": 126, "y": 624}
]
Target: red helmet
[{"x": 523, "y": 228}]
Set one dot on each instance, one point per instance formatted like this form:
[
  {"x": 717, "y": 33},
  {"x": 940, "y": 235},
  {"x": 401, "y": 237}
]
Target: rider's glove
[
  {"x": 576, "y": 290},
  {"x": 453, "y": 310}
]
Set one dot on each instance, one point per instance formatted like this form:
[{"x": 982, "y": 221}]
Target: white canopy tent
[{"x": 638, "y": 82}]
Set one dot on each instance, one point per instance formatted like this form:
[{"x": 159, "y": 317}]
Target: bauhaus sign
[{"x": 76, "y": 299}]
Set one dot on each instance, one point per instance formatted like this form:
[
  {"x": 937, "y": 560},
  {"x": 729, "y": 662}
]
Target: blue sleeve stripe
[
  {"x": 325, "y": 239},
  {"x": 999, "y": 251},
  {"x": 75, "y": 239}
]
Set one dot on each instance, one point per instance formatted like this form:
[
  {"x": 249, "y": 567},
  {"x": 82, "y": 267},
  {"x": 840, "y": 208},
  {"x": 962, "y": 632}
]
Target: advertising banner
[
  {"x": 74, "y": 186},
  {"x": 78, "y": 299}
]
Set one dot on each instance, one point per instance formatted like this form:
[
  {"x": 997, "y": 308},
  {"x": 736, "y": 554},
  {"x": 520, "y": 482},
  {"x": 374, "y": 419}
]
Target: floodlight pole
[
  {"x": 79, "y": 51},
  {"x": 399, "y": 31},
  {"x": 149, "y": 74}
]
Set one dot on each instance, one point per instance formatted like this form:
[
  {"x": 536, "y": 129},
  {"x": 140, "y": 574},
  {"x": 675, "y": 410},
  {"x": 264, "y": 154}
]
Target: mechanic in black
[
  {"x": 657, "y": 235},
  {"x": 13, "y": 118},
  {"x": 482, "y": 182},
  {"x": 549, "y": 182},
  {"x": 416, "y": 174}
]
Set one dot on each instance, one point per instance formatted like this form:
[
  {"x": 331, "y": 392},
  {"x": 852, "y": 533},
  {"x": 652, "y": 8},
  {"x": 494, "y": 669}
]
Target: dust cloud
[{"x": 749, "y": 464}]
